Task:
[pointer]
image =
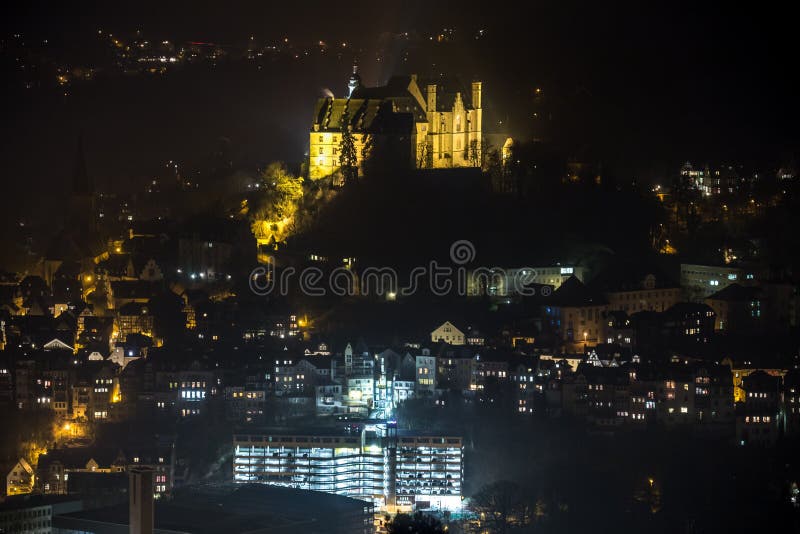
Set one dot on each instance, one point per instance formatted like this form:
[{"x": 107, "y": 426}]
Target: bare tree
[{"x": 502, "y": 506}]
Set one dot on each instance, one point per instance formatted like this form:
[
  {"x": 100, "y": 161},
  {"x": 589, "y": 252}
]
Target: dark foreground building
[{"x": 232, "y": 509}]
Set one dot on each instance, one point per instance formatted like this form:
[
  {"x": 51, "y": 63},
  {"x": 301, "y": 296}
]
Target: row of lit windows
[
  {"x": 758, "y": 419},
  {"x": 684, "y": 409}
]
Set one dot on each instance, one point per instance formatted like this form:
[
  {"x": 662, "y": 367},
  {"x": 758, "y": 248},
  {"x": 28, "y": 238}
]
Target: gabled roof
[
  {"x": 450, "y": 323},
  {"x": 23, "y": 463},
  {"x": 364, "y": 115},
  {"x": 57, "y": 344},
  {"x": 761, "y": 381},
  {"x": 573, "y": 293},
  {"x": 736, "y": 293}
]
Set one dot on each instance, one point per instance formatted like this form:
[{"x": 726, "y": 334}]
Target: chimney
[
  {"x": 476, "y": 95},
  {"x": 431, "y": 98},
  {"x": 140, "y": 495}
]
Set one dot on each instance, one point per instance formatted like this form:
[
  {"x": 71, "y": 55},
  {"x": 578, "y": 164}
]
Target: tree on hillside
[
  {"x": 474, "y": 153},
  {"x": 348, "y": 157},
  {"x": 424, "y": 156},
  {"x": 273, "y": 213}
]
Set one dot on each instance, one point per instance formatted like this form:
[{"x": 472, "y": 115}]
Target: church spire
[
  {"x": 81, "y": 183},
  {"x": 82, "y": 210},
  {"x": 355, "y": 80}
]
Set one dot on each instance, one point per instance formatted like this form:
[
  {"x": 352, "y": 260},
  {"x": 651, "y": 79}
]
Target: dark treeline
[{"x": 574, "y": 480}]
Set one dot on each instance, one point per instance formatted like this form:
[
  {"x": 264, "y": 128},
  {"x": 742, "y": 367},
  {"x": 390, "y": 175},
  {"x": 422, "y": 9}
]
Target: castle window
[
  {"x": 321, "y": 151},
  {"x": 321, "y": 138},
  {"x": 335, "y": 140}
]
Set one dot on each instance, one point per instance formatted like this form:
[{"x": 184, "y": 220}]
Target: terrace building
[{"x": 372, "y": 461}]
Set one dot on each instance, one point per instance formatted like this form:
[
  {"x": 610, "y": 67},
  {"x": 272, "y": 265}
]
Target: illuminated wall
[
  {"x": 424, "y": 472},
  {"x": 446, "y": 131},
  {"x": 324, "y": 152},
  {"x": 429, "y": 472}
]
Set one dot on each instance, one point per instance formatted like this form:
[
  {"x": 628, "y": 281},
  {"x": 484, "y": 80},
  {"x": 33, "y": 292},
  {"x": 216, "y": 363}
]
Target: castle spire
[{"x": 355, "y": 80}]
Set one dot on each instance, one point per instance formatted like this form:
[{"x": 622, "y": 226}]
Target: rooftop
[{"x": 235, "y": 508}]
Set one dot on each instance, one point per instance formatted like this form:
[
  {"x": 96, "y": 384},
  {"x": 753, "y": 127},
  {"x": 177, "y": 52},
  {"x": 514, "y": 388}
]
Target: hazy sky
[{"x": 642, "y": 86}]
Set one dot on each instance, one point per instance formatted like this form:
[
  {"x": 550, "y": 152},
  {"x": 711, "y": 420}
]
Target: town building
[
  {"x": 373, "y": 461},
  {"x": 232, "y": 509},
  {"x": 33, "y": 514},
  {"x": 20, "y": 479},
  {"x": 448, "y": 333},
  {"x": 737, "y": 308},
  {"x": 511, "y": 282},
  {"x": 577, "y": 314},
  {"x": 701, "y": 281},
  {"x": 757, "y": 420},
  {"x": 791, "y": 402},
  {"x": 425, "y": 375}
]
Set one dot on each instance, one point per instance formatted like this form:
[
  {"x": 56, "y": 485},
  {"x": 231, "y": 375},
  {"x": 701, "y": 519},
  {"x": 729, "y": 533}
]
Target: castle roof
[
  {"x": 364, "y": 115},
  {"x": 387, "y": 108}
]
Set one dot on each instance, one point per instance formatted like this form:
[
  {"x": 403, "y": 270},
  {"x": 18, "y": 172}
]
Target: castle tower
[
  {"x": 476, "y": 95},
  {"x": 431, "y": 98}
]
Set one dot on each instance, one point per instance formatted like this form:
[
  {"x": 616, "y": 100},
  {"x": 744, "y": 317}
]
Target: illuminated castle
[{"x": 441, "y": 128}]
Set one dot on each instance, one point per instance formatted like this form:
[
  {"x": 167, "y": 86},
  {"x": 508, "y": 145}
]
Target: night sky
[{"x": 639, "y": 87}]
